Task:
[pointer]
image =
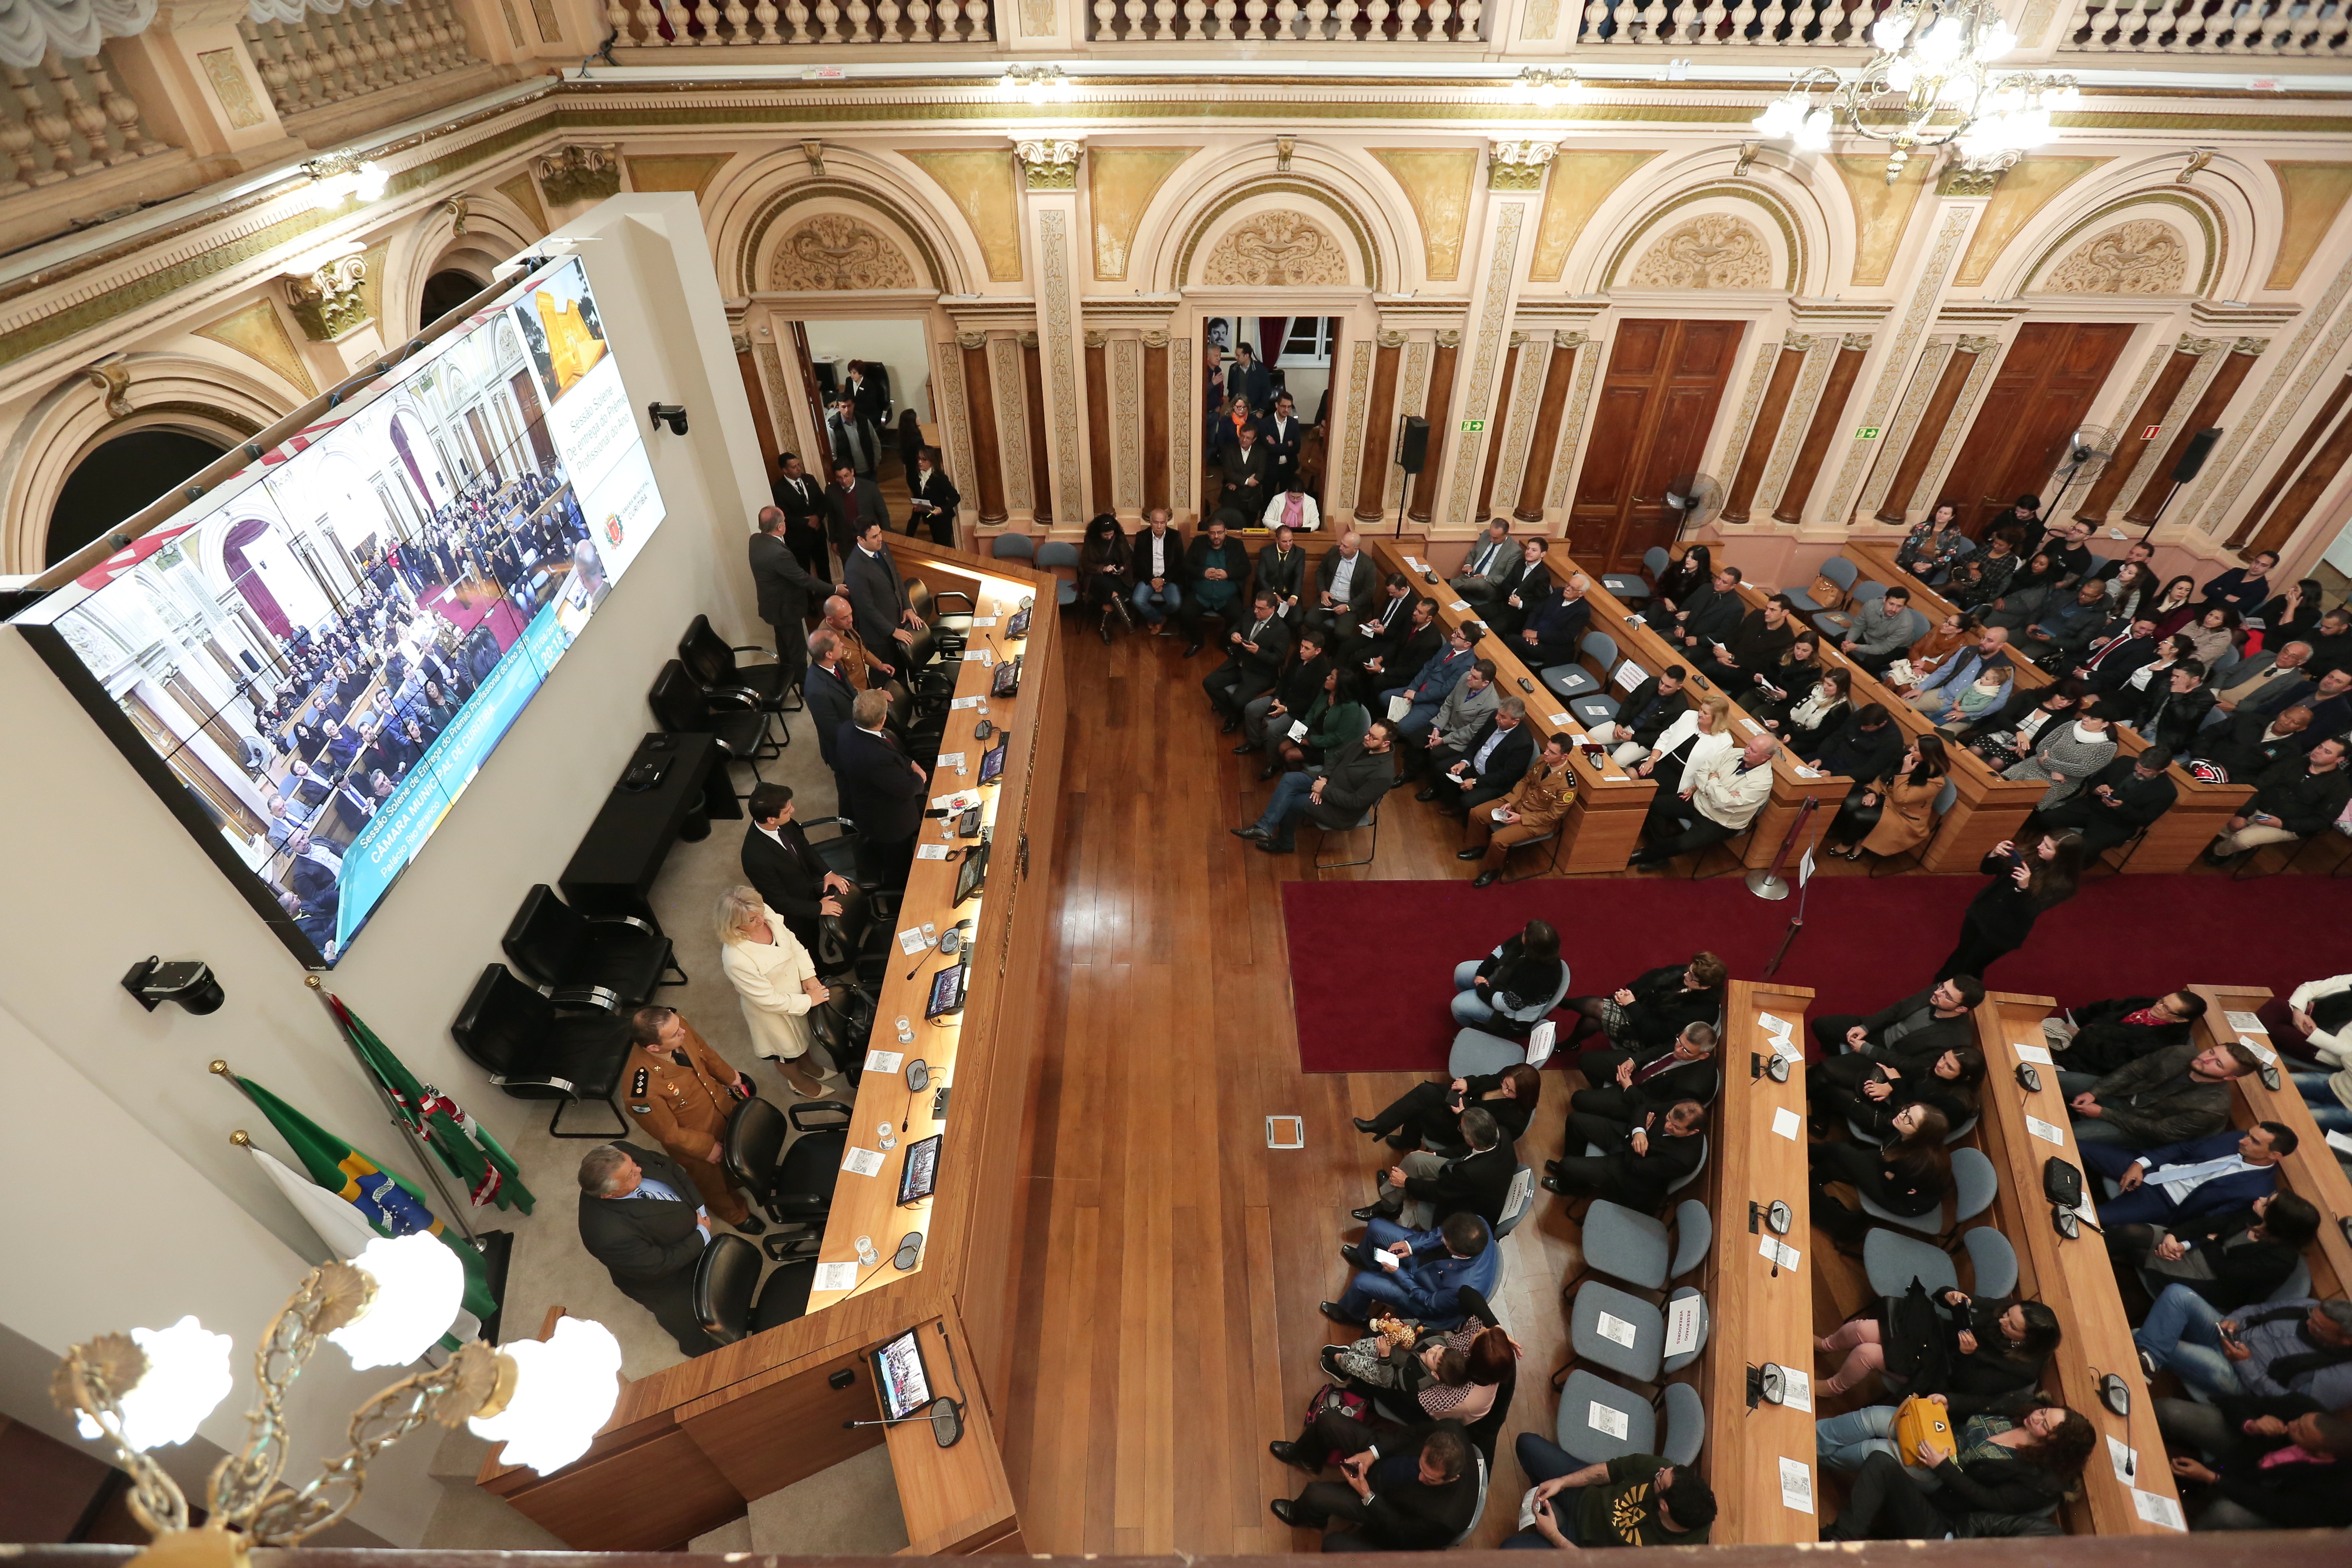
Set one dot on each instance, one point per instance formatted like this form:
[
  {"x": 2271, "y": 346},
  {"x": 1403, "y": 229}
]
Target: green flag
[
  {"x": 466, "y": 1148},
  {"x": 391, "y": 1206}
]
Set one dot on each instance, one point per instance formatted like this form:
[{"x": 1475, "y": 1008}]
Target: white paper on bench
[
  {"x": 862, "y": 1161},
  {"x": 1796, "y": 1485},
  {"x": 1618, "y": 1328},
  {"x": 2034, "y": 1054},
  {"x": 1602, "y": 1418},
  {"x": 835, "y": 1277},
  {"x": 1682, "y": 1324}
]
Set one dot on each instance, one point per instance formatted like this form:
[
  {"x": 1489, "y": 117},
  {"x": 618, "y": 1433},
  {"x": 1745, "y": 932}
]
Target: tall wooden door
[
  {"x": 1656, "y": 407},
  {"x": 2042, "y": 393}
]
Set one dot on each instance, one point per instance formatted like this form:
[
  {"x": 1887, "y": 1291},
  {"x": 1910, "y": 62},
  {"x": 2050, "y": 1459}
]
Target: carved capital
[
  {"x": 1961, "y": 180},
  {"x": 1048, "y": 165},
  {"x": 1570, "y": 340},
  {"x": 1156, "y": 339},
  {"x": 1519, "y": 166},
  {"x": 1797, "y": 343},
  {"x": 1520, "y": 339},
  {"x": 1975, "y": 345},
  {"x": 2250, "y": 346},
  {"x": 584, "y": 171},
  {"x": 972, "y": 340},
  {"x": 1451, "y": 338},
  {"x": 1388, "y": 338},
  {"x": 1857, "y": 341},
  {"x": 328, "y": 300},
  {"x": 112, "y": 377},
  {"x": 742, "y": 342},
  {"x": 2200, "y": 345},
  {"x": 1095, "y": 340},
  {"x": 1026, "y": 339}
]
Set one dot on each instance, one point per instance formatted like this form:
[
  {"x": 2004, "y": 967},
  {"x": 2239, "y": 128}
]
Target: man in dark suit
[
  {"x": 1523, "y": 591},
  {"x": 1333, "y": 797},
  {"x": 1254, "y": 652},
  {"x": 1645, "y": 714},
  {"x": 1487, "y": 765},
  {"x": 2109, "y": 663},
  {"x": 784, "y": 590},
  {"x": 1282, "y": 571},
  {"x": 2217, "y": 1173},
  {"x": 802, "y": 499},
  {"x": 826, "y": 690},
  {"x": 1267, "y": 716},
  {"x": 1390, "y": 612},
  {"x": 1278, "y": 436},
  {"x": 1935, "y": 1020},
  {"x": 857, "y": 441},
  {"x": 2116, "y": 802},
  {"x": 869, "y": 394},
  {"x": 1650, "y": 1077},
  {"x": 1414, "y": 1491},
  {"x": 1346, "y": 581},
  {"x": 1425, "y": 1189},
  {"x": 1405, "y": 647},
  {"x": 931, "y": 499},
  {"x": 1554, "y": 634},
  {"x": 1248, "y": 468},
  {"x": 882, "y": 791},
  {"x": 1248, "y": 379},
  {"x": 851, "y": 504},
  {"x": 640, "y": 1217},
  {"x": 1710, "y": 614},
  {"x": 780, "y": 861},
  {"x": 885, "y": 616},
  {"x": 1637, "y": 1164}
]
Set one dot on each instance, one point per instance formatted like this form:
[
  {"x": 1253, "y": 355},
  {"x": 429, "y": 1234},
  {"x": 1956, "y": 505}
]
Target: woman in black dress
[
  {"x": 1872, "y": 1091},
  {"x": 1909, "y": 1177},
  {"x": 2026, "y": 882},
  {"x": 1679, "y": 580},
  {"x": 1105, "y": 574}
]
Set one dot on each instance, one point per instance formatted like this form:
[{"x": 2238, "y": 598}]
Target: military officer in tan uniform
[
  {"x": 677, "y": 1088},
  {"x": 1544, "y": 794}
]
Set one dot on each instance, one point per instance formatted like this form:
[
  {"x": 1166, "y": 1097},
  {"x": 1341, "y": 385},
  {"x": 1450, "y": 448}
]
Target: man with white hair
[
  {"x": 1554, "y": 633},
  {"x": 1718, "y": 798}
]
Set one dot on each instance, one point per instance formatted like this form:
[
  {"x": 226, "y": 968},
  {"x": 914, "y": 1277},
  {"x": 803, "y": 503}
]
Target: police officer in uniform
[{"x": 680, "y": 1092}]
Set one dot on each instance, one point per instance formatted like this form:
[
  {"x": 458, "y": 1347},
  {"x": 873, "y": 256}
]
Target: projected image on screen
[{"x": 324, "y": 651}]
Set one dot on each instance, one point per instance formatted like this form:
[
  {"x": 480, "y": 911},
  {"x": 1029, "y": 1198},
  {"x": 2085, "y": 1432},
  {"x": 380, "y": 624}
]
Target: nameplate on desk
[
  {"x": 2263, "y": 1053},
  {"x": 1796, "y": 1387},
  {"x": 1773, "y": 1250},
  {"x": 911, "y": 941},
  {"x": 2047, "y": 1131},
  {"x": 1682, "y": 1324},
  {"x": 967, "y": 702},
  {"x": 1786, "y": 1123},
  {"x": 2244, "y": 1023},
  {"x": 2158, "y": 1508},
  {"x": 1459, "y": 604},
  {"x": 961, "y": 801},
  {"x": 985, "y": 621},
  {"x": 983, "y": 657},
  {"x": 1559, "y": 718},
  {"x": 946, "y": 760},
  {"x": 932, "y": 851},
  {"x": 883, "y": 1061},
  {"x": 1416, "y": 565},
  {"x": 862, "y": 1161},
  {"x": 1796, "y": 1486},
  {"x": 1807, "y": 773},
  {"x": 2036, "y": 1054},
  {"x": 1753, "y": 728}
]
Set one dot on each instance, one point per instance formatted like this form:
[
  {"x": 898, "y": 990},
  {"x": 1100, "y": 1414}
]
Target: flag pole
[{"x": 450, "y": 1206}]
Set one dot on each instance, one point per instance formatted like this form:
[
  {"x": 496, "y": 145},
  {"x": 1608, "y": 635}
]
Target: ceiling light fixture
[{"x": 338, "y": 177}]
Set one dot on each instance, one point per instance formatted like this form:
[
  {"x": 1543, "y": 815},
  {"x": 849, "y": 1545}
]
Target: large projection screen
[{"x": 312, "y": 660}]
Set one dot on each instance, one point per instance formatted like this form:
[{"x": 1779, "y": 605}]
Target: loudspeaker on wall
[
  {"x": 2200, "y": 445},
  {"x": 1412, "y": 447}
]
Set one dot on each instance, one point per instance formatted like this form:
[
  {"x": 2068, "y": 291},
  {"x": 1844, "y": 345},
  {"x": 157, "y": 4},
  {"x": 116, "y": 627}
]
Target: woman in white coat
[{"x": 775, "y": 980}]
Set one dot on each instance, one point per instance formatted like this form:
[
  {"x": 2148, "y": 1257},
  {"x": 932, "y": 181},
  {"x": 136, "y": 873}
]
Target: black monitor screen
[
  {"x": 1018, "y": 627},
  {"x": 1007, "y": 681},
  {"x": 920, "y": 1173},
  {"x": 972, "y": 873},
  {"x": 898, "y": 1375},
  {"x": 947, "y": 992},
  {"x": 991, "y": 763}
]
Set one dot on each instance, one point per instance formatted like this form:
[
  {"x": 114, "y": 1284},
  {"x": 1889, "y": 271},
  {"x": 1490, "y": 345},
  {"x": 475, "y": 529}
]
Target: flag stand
[{"x": 418, "y": 1145}]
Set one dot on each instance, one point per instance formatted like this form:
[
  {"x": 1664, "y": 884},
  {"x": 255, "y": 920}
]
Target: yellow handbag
[{"x": 1921, "y": 1420}]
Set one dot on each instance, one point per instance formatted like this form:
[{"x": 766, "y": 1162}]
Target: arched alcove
[
  {"x": 120, "y": 477},
  {"x": 444, "y": 291}
]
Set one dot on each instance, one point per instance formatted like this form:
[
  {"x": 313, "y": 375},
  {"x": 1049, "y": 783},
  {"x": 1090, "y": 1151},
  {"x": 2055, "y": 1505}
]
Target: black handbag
[{"x": 2062, "y": 1182}]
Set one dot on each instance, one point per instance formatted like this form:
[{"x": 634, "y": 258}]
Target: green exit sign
[
  {"x": 1473, "y": 426},
  {"x": 1868, "y": 433}
]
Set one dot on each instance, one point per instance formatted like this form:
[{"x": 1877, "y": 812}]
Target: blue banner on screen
[{"x": 324, "y": 651}]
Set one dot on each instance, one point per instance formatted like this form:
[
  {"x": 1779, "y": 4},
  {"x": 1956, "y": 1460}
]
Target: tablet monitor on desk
[
  {"x": 1018, "y": 627},
  {"x": 899, "y": 1376},
  {"x": 991, "y": 762},
  {"x": 972, "y": 873},
  {"x": 1007, "y": 680},
  {"x": 920, "y": 1172},
  {"x": 947, "y": 992}
]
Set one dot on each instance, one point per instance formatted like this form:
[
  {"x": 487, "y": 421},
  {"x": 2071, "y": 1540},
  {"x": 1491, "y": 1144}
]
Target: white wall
[
  {"x": 898, "y": 344},
  {"x": 139, "y": 1200}
]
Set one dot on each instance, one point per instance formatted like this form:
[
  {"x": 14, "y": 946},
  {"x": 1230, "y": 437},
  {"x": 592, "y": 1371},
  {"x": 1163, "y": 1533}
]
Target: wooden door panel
[
  {"x": 1706, "y": 349},
  {"x": 2044, "y": 387},
  {"x": 1640, "y": 347},
  {"x": 1656, "y": 406}
]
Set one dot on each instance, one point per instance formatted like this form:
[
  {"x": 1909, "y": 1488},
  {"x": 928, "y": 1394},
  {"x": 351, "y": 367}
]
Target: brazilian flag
[
  {"x": 467, "y": 1149},
  {"x": 391, "y": 1206}
]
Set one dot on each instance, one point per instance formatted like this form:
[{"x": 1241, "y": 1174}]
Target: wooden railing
[
  {"x": 705, "y": 24},
  {"x": 2247, "y": 30}
]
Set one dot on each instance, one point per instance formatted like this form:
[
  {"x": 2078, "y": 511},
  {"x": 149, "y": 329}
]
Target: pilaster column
[
  {"x": 1379, "y": 414},
  {"x": 1828, "y": 415},
  {"x": 1933, "y": 420},
  {"x": 2207, "y": 413},
  {"x": 2295, "y": 453},
  {"x": 1494, "y": 434},
  {"x": 1514, "y": 177},
  {"x": 2148, "y": 417},
  {"x": 1550, "y": 409},
  {"x": 2309, "y": 485},
  {"x": 1438, "y": 410},
  {"x": 1049, "y": 178},
  {"x": 1742, "y": 497},
  {"x": 980, "y": 413},
  {"x": 1101, "y": 413},
  {"x": 1041, "y": 469},
  {"x": 1156, "y": 487},
  {"x": 747, "y": 365}
]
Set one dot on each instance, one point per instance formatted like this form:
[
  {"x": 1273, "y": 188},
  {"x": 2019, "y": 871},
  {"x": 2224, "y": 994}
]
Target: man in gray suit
[
  {"x": 878, "y": 595},
  {"x": 785, "y": 589},
  {"x": 1490, "y": 560},
  {"x": 1334, "y": 797},
  {"x": 641, "y": 1217},
  {"x": 2257, "y": 683}
]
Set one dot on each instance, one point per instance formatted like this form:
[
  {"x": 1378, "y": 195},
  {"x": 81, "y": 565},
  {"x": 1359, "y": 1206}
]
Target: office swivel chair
[
  {"x": 794, "y": 1186},
  {"x": 604, "y": 962},
  {"x": 950, "y": 630},
  {"x": 711, "y": 662},
  {"x": 725, "y": 1280},
  {"x": 736, "y": 723},
  {"x": 534, "y": 1051}
]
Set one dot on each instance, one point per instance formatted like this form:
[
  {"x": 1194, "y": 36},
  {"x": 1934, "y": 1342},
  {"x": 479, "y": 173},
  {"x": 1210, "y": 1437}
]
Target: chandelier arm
[
  {"x": 329, "y": 1297},
  {"x": 155, "y": 1499}
]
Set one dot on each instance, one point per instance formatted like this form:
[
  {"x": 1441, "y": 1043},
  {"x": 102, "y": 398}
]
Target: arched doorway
[
  {"x": 120, "y": 478},
  {"x": 444, "y": 292}
]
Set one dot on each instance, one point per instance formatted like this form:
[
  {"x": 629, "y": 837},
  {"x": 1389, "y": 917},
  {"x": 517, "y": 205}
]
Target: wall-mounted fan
[
  {"x": 2079, "y": 456},
  {"x": 1694, "y": 498}
]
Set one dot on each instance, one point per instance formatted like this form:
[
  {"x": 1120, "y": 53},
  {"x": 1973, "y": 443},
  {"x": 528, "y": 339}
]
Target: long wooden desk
[
  {"x": 1792, "y": 781},
  {"x": 2074, "y": 1279},
  {"x": 1604, "y": 826},
  {"x": 690, "y": 1445},
  {"x": 2311, "y": 1172},
  {"x": 2176, "y": 838},
  {"x": 1986, "y": 808},
  {"x": 1760, "y": 1310}
]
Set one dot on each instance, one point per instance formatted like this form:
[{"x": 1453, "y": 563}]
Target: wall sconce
[
  {"x": 340, "y": 177},
  {"x": 545, "y": 1399},
  {"x": 1036, "y": 84}
]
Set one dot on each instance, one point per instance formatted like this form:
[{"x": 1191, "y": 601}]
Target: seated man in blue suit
[
  {"x": 2216, "y": 1175},
  {"x": 1426, "y": 1283}
]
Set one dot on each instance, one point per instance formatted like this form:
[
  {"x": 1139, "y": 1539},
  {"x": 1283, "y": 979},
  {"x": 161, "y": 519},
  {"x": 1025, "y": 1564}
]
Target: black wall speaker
[
  {"x": 1412, "y": 448},
  {"x": 2199, "y": 446}
]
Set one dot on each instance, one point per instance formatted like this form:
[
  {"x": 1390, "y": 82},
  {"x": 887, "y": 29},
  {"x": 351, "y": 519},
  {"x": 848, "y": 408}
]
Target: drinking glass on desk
[
  {"x": 866, "y": 1253},
  {"x": 889, "y": 1139},
  {"x": 905, "y": 1033}
]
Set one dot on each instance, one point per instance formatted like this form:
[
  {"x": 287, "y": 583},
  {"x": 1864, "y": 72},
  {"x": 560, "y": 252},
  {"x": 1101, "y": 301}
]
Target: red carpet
[{"x": 1383, "y": 1008}]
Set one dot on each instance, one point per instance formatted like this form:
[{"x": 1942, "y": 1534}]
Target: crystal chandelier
[{"x": 1928, "y": 86}]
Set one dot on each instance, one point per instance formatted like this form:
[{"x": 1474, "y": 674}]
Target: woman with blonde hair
[{"x": 774, "y": 979}]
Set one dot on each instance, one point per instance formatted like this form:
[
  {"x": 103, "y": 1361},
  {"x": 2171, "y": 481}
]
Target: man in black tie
[
  {"x": 1280, "y": 438},
  {"x": 803, "y": 503},
  {"x": 1246, "y": 470},
  {"x": 783, "y": 591},
  {"x": 882, "y": 790},
  {"x": 1389, "y": 614},
  {"x": 1252, "y": 660},
  {"x": 785, "y": 866}
]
